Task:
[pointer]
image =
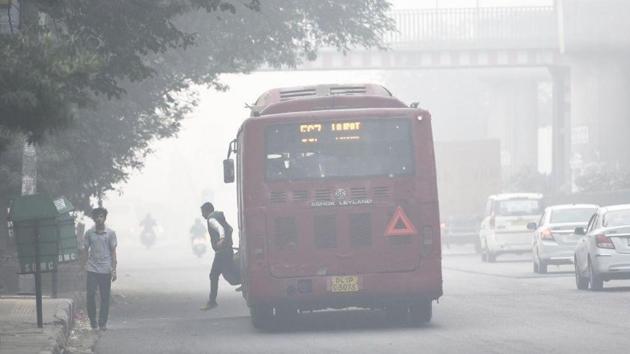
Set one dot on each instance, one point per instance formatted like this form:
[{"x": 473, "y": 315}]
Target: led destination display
[
  {"x": 311, "y": 150},
  {"x": 311, "y": 132}
]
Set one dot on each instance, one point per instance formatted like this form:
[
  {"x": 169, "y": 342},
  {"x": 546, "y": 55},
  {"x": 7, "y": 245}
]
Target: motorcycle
[
  {"x": 148, "y": 237},
  {"x": 199, "y": 246}
]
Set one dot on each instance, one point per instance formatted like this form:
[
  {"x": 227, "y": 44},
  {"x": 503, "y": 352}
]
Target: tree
[
  {"x": 81, "y": 50},
  {"x": 527, "y": 179},
  {"x": 96, "y": 82},
  {"x": 601, "y": 176}
]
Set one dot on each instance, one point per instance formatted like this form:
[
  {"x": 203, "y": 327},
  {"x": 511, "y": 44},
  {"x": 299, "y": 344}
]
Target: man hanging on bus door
[{"x": 221, "y": 239}]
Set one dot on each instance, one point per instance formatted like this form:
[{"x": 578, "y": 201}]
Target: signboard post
[{"x": 38, "y": 278}]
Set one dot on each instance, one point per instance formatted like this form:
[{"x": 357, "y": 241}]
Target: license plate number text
[{"x": 344, "y": 284}]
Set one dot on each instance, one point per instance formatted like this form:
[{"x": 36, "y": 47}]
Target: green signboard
[
  {"x": 43, "y": 226},
  {"x": 26, "y": 236}
]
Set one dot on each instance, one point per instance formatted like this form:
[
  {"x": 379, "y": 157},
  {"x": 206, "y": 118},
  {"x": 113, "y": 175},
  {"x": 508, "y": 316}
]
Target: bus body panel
[{"x": 388, "y": 268}]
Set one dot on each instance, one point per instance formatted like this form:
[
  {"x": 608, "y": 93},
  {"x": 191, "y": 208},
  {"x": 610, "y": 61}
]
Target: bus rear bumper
[{"x": 374, "y": 291}]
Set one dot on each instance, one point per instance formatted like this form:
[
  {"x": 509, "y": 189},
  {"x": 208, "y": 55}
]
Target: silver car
[
  {"x": 603, "y": 252},
  {"x": 554, "y": 239}
]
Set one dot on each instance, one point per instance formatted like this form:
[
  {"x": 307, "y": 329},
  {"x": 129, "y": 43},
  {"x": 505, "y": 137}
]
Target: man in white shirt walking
[{"x": 100, "y": 247}]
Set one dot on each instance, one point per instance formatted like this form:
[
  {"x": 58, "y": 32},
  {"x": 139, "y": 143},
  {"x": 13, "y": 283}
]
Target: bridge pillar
[
  {"x": 513, "y": 119},
  {"x": 601, "y": 108},
  {"x": 561, "y": 129},
  {"x": 594, "y": 41}
]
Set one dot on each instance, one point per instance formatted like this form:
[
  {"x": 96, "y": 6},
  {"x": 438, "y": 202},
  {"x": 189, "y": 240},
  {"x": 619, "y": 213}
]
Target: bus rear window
[{"x": 339, "y": 149}]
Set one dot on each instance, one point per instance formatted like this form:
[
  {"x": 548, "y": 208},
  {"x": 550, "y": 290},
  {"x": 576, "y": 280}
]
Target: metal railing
[{"x": 475, "y": 28}]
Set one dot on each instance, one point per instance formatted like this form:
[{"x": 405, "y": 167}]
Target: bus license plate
[{"x": 344, "y": 284}]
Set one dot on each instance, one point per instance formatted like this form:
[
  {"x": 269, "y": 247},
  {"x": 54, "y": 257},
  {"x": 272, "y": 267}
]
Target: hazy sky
[{"x": 186, "y": 170}]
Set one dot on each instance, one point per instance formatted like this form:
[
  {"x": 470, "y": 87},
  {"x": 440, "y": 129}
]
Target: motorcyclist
[
  {"x": 197, "y": 230},
  {"x": 198, "y": 238},
  {"x": 147, "y": 236},
  {"x": 148, "y": 223}
]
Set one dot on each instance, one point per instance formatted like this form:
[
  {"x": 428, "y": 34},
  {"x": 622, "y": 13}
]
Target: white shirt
[
  {"x": 217, "y": 226},
  {"x": 100, "y": 246}
]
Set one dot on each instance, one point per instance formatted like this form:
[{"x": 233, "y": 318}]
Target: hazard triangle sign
[{"x": 400, "y": 225}]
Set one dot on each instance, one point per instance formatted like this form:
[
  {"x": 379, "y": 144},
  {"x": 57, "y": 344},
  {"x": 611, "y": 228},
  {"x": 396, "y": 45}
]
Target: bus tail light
[
  {"x": 604, "y": 242},
  {"x": 492, "y": 221}
]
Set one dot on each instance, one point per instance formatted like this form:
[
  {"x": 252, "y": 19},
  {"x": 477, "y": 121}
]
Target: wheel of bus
[
  {"x": 285, "y": 316},
  {"x": 484, "y": 251},
  {"x": 397, "y": 313},
  {"x": 262, "y": 316},
  {"x": 492, "y": 257},
  {"x": 421, "y": 312}
]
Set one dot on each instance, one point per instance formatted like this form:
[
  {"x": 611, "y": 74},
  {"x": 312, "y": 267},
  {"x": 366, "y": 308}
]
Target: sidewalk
[{"x": 18, "y": 325}]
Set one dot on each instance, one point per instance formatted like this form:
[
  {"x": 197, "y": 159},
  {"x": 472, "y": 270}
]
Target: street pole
[
  {"x": 54, "y": 274},
  {"x": 38, "y": 280}
]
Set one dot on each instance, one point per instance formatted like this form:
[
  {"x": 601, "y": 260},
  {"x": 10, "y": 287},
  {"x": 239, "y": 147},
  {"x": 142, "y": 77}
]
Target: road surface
[{"x": 486, "y": 308}]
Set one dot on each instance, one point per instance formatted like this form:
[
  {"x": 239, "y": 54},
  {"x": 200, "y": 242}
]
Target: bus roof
[
  {"x": 332, "y": 103},
  {"x": 281, "y": 100}
]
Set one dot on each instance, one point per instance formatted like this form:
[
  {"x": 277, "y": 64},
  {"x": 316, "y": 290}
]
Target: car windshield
[
  {"x": 573, "y": 215},
  {"x": 513, "y": 207},
  {"x": 616, "y": 218},
  {"x": 376, "y": 147}
]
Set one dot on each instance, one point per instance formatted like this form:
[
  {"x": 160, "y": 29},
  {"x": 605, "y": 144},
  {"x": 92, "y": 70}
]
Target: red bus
[{"x": 337, "y": 202}]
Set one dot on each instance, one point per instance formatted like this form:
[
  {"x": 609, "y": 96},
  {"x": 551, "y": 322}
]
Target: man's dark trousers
[
  {"x": 104, "y": 284},
  {"x": 223, "y": 262}
]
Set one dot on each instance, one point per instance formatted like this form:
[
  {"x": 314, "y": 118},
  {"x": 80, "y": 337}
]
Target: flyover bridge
[{"x": 452, "y": 38}]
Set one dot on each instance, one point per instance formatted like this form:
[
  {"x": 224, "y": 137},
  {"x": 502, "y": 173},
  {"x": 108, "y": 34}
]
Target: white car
[
  {"x": 554, "y": 238},
  {"x": 504, "y": 228},
  {"x": 603, "y": 252}
]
